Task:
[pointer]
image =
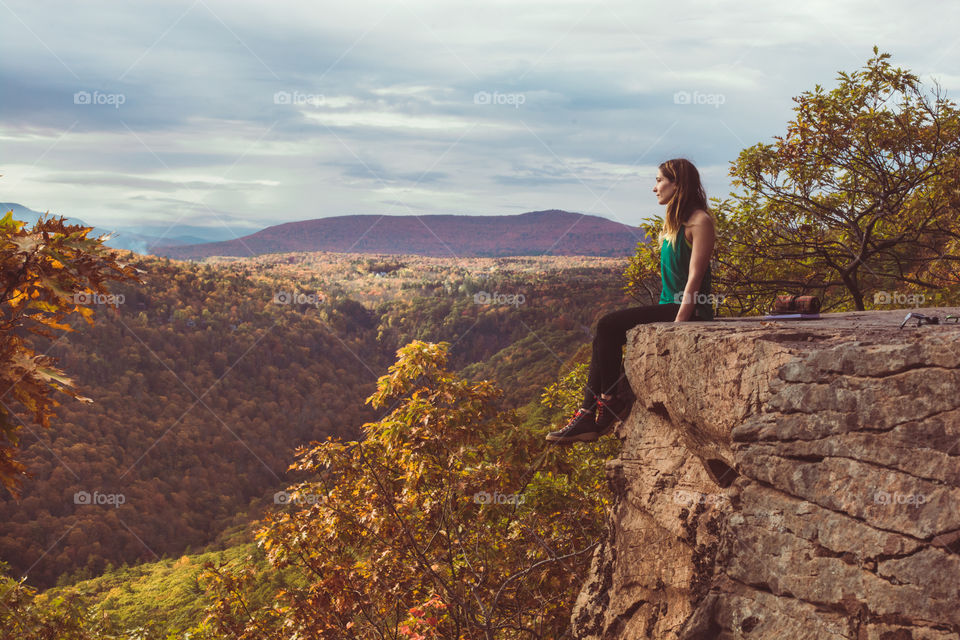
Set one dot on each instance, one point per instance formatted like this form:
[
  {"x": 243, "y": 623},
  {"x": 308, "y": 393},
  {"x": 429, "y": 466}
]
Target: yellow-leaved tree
[
  {"x": 448, "y": 520},
  {"x": 47, "y": 272},
  {"x": 858, "y": 203}
]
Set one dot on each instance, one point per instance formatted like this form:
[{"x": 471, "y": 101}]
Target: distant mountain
[
  {"x": 551, "y": 232},
  {"x": 140, "y": 239},
  {"x": 127, "y": 238},
  {"x": 28, "y": 215}
]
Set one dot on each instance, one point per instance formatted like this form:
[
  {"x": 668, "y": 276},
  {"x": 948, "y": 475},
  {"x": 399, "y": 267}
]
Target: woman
[{"x": 687, "y": 242}]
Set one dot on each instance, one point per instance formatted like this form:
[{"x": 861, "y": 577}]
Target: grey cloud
[
  {"x": 139, "y": 182},
  {"x": 379, "y": 174},
  {"x": 598, "y": 88}
]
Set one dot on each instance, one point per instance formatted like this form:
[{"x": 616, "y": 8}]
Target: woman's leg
[{"x": 611, "y": 335}]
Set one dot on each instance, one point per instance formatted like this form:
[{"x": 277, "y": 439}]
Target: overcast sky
[{"x": 240, "y": 115}]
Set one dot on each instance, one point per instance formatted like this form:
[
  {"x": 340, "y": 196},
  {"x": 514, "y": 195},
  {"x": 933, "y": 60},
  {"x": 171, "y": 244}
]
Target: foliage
[
  {"x": 641, "y": 278},
  {"x": 449, "y": 519},
  {"x": 269, "y": 377},
  {"x": 168, "y": 597},
  {"x": 233, "y": 614},
  {"x": 164, "y": 600},
  {"x": 204, "y": 386},
  {"x": 566, "y": 393},
  {"x": 27, "y": 615},
  {"x": 48, "y": 272},
  {"x": 861, "y": 195}
]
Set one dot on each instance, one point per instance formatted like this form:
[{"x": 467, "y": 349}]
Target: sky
[{"x": 239, "y": 115}]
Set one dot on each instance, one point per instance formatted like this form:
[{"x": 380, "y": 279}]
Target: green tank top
[{"x": 674, "y": 269}]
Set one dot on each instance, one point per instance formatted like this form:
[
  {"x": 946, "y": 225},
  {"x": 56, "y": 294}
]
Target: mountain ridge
[{"x": 547, "y": 232}]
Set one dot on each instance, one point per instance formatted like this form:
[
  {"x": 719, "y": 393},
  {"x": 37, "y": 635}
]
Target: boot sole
[
  {"x": 583, "y": 437},
  {"x": 590, "y": 436}
]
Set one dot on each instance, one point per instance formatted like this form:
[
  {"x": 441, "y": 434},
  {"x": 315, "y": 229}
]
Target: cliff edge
[{"x": 784, "y": 479}]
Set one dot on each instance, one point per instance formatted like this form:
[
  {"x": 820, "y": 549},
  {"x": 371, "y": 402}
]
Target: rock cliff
[{"x": 787, "y": 479}]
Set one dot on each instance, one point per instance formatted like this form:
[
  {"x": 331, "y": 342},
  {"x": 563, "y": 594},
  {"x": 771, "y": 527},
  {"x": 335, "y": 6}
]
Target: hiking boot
[
  {"x": 611, "y": 411},
  {"x": 581, "y": 428}
]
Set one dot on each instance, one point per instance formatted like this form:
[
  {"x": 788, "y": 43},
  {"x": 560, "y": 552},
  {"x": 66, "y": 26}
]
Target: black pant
[{"x": 606, "y": 368}]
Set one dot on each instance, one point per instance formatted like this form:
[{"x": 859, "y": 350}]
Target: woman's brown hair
[{"x": 688, "y": 197}]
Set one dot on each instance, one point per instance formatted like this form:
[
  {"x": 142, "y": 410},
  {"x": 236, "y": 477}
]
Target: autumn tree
[
  {"x": 26, "y": 614},
  {"x": 448, "y": 520},
  {"x": 859, "y": 196},
  {"x": 48, "y": 272}
]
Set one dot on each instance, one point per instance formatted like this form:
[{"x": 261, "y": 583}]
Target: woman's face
[{"x": 663, "y": 188}]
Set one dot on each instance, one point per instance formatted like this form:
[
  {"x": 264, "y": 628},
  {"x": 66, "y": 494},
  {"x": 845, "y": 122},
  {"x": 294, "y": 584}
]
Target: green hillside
[{"x": 164, "y": 597}]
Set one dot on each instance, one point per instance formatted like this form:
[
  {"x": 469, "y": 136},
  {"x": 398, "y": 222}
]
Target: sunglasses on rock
[{"x": 922, "y": 319}]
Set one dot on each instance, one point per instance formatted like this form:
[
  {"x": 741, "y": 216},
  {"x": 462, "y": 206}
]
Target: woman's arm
[{"x": 704, "y": 237}]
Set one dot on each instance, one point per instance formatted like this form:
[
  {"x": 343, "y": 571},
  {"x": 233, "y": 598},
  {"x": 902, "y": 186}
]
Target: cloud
[
  {"x": 152, "y": 184},
  {"x": 381, "y": 175},
  {"x": 417, "y": 104}
]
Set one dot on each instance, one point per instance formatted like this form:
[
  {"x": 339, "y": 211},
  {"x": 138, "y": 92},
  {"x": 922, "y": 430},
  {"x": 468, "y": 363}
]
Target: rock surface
[{"x": 785, "y": 479}]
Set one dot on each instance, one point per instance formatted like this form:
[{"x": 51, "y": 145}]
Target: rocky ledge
[{"x": 785, "y": 480}]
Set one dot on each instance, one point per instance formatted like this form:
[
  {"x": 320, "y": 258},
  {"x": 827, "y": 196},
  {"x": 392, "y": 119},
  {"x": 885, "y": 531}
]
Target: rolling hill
[{"x": 552, "y": 232}]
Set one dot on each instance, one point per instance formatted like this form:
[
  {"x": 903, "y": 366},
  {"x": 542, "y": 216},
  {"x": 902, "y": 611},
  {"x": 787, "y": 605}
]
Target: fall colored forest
[{"x": 208, "y": 376}]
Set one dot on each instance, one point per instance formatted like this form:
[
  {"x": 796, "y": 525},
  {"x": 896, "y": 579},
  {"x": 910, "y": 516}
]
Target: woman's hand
[{"x": 685, "y": 313}]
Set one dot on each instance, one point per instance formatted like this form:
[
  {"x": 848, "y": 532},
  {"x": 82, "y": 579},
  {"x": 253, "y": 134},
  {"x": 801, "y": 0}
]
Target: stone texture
[{"x": 784, "y": 479}]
